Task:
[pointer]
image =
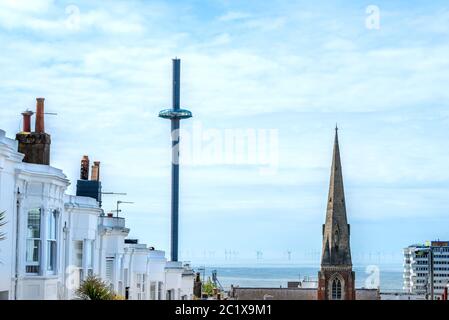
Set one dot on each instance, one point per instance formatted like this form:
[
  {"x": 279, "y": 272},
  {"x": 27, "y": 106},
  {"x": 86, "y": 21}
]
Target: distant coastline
[{"x": 276, "y": 275}]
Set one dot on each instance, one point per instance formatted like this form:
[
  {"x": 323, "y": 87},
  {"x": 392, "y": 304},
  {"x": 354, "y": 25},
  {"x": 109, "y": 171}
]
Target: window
[
  {"x": 109, "y": 269},
  {"x": 170, "y": 295},
  {"x": 125, "y": 277},
  {"x": 78, "y": 257},
  {"x": 51, "y": 240},
  {"x": 89, "y": 255},
  {"x": 152, "y": 290},
  {"x": 140, "y": 286},
  {"x": 33, "y": 243},
  {"x": 159, "y": 290},
  {"x": 78, "y": 253},
  {"x": 336, "y": 289}
]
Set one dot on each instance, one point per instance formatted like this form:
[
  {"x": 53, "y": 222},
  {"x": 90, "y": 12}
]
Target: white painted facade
[
  {"x": 148, "y": 275},
  {"x": 139, "y": 280},
  {"x": 178, "y": 281},
  {"x": 10, "y": 159},
  {"x": 54, "y": 241},
  {"x": 81, "y": 243},
  {"x": 156, "y": 270},
  {"x": 33, "y": 198},
  {"x": 40, "y": 213},
  {"x": 112, "y": 234}
]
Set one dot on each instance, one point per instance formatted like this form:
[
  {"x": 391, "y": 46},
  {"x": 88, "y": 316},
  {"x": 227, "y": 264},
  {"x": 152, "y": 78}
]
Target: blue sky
[{"x": 295, "y": 67}]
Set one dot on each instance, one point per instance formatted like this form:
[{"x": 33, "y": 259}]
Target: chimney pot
[
  {"x": 27, "y": 120},
  {"x": 95, "y": 171},
  {"x": 84, "y": 168},
  {"x": 40, "y": 127}
]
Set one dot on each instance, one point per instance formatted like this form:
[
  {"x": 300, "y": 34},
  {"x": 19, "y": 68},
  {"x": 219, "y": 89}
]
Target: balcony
[{"x": 112, "y": 222}]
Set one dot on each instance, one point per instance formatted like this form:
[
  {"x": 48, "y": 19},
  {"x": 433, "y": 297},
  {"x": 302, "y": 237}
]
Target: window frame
[
  {"x": 76, "y": 261},
  {"x": 109, "y": 271},
  {"x": 159, "y": 290},
  {"x": 153, "y": 291},
  {"x": 88, "y": 256},
  {"x": 336, "y": 289},
  {"x": 32, "y": 263},
  {"x": 140, "y": 279},
  {"x": 52, "y": 241}
]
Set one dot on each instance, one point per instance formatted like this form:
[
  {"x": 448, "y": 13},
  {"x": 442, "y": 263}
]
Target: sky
[{"x": 283, "y": 73}]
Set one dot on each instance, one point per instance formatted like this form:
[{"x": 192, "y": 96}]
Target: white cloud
[
  {"x": 266, "y": 24},
  {"x": 46, "y": 16},
  {"x": 233, "y": 15},
  {"x": 103, "y": 20},
  {"x": 222, "y": 39},
  {"x": 25, "y": 6}
]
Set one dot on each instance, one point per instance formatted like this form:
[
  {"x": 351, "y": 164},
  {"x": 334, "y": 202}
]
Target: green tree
[
  {"x": 208, "y": 287},
  {"x": 94, "y": 289}
]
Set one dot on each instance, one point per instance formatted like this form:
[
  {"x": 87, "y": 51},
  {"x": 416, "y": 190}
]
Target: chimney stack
[
  {"x": 197, "y": 286},
  {"x": 35, "y": 145},
  {"x": 84, "y": 168},
  {"x": 89, "y": 188},
  {"x": 40, "y": 127},
  {"x": 27, "y": 120},
  {"x": 95, "y": 176}
]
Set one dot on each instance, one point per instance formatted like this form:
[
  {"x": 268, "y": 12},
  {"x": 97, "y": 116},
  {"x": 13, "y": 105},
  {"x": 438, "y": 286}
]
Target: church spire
[{"x": 336, "y": 247}]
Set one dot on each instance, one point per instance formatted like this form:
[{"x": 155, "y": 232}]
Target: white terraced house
[
  {"x": 54, "y": 240},
  {"x": 418, "y": 269}
]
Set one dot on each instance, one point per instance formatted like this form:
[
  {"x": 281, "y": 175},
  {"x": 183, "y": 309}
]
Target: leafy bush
[
  {"x": 208, "y": 287},
  {"x": 94, "y": 288}
]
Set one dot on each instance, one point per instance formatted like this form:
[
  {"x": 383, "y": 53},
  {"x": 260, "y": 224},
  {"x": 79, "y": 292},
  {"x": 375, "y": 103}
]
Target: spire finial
[{"x": 336, "y": 127}]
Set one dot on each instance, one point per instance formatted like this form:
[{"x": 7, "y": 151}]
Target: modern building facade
[
  {"x": 54, "y": 241},
  {"x": 424, "y": 264}
]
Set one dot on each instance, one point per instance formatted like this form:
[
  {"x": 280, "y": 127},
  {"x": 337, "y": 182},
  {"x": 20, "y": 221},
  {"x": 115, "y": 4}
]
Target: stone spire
[{"x": 336, "y": 247}]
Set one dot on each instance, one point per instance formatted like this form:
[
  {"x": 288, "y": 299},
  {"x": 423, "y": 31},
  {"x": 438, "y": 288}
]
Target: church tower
[{"x": 336, "y": 278}]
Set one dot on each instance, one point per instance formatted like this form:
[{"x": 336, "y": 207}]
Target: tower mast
[{"x": 175, "y": 114}]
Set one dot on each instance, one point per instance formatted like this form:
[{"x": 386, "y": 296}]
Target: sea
[{"x": 387, "y": 278}]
